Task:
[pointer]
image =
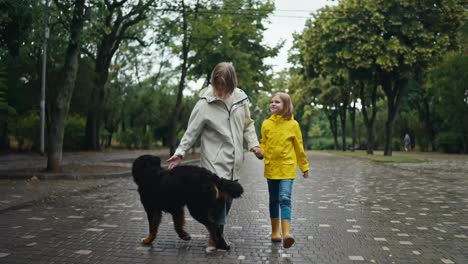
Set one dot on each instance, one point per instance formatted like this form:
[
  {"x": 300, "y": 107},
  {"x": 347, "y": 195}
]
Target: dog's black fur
[{"x": 202, "y": 191}]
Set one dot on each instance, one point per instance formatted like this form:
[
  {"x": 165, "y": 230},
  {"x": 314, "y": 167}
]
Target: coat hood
[{"x": 208, "y": 95}]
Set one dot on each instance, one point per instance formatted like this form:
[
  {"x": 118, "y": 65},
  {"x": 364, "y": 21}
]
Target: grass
[{"x": 379, "y": 157}]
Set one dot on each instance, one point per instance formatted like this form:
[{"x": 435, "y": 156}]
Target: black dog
[{"x": 202, "y": 191}]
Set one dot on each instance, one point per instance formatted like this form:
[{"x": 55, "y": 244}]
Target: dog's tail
[{"x": 232, "y": 188}]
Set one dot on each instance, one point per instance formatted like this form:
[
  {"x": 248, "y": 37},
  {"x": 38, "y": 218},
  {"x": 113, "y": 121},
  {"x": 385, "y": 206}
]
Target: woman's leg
[
  {"x": 285, "y": 192},
  {"x": 222, "y": 220}
]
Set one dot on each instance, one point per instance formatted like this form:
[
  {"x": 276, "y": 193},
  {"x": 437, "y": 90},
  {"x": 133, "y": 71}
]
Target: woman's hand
[
  {"x": 305, "y": 174},
  {"x": 174, "y": 161},
  {"x": 257, "y": 151}
]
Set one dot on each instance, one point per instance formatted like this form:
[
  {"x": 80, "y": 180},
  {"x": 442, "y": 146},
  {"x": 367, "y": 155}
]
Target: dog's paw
[
  {"x": 185, "y": 236},
  {"x": 149, "y": 239},
  {"x": 210, "y": 249}
]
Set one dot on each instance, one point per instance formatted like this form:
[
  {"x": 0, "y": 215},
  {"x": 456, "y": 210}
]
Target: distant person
[
  {"x": 221, "y": 118},
  {"x": 407, "y": 141},
  {"x": 282, "y": 150}
]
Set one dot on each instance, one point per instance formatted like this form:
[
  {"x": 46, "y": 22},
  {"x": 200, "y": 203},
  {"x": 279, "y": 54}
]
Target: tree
[
  {"x": 382, "y": 42},
  {"x": 113, "y": 27},
  {"x": 6, "y": 112},
  {"x": 15, "y": 27},
  {"x": 61, "y": 102},
  {"x": 448, "y": 85},
  {"x": 221, "y": 31}
]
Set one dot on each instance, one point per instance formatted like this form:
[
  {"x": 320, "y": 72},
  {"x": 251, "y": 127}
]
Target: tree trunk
[
  {"x": 369, "y": 122},
  {"x": 393, "y": 90},
  {"x": 343, "y": 126},
  {"x": 61, "y": 103},
  {"x": 428, "y": 123},
  {"x": 184, "y": 69},
  {"x": 109, "y": 139},
  {"x": 177, "y": 109},
  {"x": 4, "y": 139},
  {"x": 352, "y": 115},
  {"x": 344, "y": 94},
  {"x": 109, "y": 43},
  {"x": 332, "y": 116},
  {"x": 98, "y": 97}
]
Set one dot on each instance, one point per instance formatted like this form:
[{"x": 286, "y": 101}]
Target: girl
[
  {"x": 221, "y": 118},
  {"x": 282, "y": 150}
]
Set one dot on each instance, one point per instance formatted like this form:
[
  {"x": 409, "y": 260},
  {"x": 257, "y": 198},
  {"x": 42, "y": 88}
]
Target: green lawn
[{"x": 379, "y": 157}]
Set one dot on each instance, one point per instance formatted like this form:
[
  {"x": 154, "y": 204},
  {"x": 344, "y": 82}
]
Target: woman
[{"x": 221, "y": 118}]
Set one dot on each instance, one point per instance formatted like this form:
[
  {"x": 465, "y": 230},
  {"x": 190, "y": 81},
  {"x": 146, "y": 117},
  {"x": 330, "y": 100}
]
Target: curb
[
  {"x": 5, "y": 175},
  {"x": 61, "y": 176}
]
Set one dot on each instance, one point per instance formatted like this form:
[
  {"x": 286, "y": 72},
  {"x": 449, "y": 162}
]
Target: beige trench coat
[{"x": 222, "y": 132}]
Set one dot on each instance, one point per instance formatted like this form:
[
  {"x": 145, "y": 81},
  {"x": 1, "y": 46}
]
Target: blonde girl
[{"x": 282, "y": 151}]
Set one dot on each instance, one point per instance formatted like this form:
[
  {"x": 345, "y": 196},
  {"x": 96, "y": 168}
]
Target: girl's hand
[
  {"x": 257, "y": 151},
  {"x": 305, "y": 174},
  {"x": 175, "y": 160}
]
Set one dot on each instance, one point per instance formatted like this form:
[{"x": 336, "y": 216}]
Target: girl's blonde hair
[
  {"x": 224, "y": 75},
  {"x": 288, "y": 107}
]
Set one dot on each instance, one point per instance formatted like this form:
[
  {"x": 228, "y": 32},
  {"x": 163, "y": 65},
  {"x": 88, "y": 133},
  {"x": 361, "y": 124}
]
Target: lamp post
[{"x": 44, "y": 70}]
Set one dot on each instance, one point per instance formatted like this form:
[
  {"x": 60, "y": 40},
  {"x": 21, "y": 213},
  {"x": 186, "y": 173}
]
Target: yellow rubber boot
[
  {"x": 275, "y": 230},
  {"x": 288, "y": 239}
]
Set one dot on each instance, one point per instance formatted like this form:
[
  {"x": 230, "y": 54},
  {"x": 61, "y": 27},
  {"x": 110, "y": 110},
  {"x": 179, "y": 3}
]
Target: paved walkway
[{"x": 350, "y": 210}]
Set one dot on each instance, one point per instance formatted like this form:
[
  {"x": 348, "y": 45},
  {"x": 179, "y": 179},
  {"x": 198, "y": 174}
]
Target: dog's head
[{"x": 145, "y": 167}]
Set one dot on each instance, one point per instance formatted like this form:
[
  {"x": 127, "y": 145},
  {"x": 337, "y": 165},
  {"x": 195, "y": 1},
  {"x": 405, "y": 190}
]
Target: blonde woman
[{"x": 221, "y": 118}]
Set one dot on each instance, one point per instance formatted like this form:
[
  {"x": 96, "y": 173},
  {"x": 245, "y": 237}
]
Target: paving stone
[{"x": 370, "y": 213}]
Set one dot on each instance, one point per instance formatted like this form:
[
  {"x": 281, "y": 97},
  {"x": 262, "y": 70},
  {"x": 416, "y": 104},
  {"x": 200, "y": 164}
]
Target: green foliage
[
  {"x": 6, "y": 110},
  {"x": 73, "y": 138},
  {"x": 316, "y": 131},
  {"x": 447, "y": 86},
  {"x": 136, "y": 138},
  {"x": 397, "y": 144},
  {"x": 147, "y": 139},
  {"x": 15, "y": 24},
  {"x": 232, "y": 31},
  {"x": 321, "y": 144},
  {"x": 129, "y": 138},
  {"x": 450, "y": 142},
  {"x": 26, "y": 131},
  {"x": 377, "y": 43}
]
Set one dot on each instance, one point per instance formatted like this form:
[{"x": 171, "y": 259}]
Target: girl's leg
[
  {"x": 285, "y": 191},
  {"x": 273, "y": 190},
  {"x": 274, "y": 197},
  {"x": 284, "y": 194}
]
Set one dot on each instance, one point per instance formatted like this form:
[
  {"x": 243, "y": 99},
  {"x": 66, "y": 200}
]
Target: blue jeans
[
  {"x": 222, "y": 217},
  {"x": 280, "y": 198}
]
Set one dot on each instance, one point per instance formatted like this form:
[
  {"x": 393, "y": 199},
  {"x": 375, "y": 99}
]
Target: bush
[
  {"x": 147, "y": 139},
  {"x": 74, "y": 134},
  {"x": 129, "y": 138},
  {"x": 450, "y": 142},
  {"x": 321, "y": 144},
  {"x": 26, "y": 131},
  {"x": 397, "y": 144}
]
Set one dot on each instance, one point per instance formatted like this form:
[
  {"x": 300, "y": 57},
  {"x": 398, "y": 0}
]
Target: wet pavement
[{"x": 348, "y": 211}]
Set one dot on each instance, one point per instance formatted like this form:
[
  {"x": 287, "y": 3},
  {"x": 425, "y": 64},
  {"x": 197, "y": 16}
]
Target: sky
[{"x": 290, "y": 16}]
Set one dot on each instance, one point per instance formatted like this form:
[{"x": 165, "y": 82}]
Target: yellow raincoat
[{"x": 282, "y": 148}]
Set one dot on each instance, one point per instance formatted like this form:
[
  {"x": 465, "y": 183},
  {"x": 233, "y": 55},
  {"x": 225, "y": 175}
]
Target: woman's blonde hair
[
  {"x": 224, "y": 75},
  {"x": 288, "y": 107}
]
